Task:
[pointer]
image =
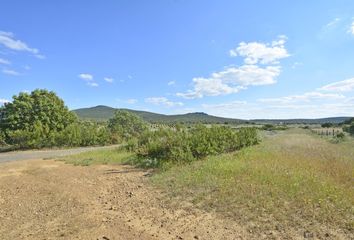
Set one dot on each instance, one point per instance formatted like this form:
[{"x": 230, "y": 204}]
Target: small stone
[{"x": 308, "y": 234}]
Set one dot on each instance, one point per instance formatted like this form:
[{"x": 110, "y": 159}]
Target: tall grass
[{"x": 290, "y": 180}]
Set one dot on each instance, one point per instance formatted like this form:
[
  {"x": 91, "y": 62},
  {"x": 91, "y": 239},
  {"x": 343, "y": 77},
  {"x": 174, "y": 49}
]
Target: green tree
[
  {"x": 125, "y": 125},
  {"x": 31, "y": 118},
  {"x": 327, "y": 125}
]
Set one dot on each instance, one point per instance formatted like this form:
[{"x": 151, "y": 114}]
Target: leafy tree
[
  {"x": 125, "y": 125},
  {"x": 34, "y": 118}
]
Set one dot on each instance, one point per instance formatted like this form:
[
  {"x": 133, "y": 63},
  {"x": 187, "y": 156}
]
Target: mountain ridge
[{"x": 103, "y": 113}]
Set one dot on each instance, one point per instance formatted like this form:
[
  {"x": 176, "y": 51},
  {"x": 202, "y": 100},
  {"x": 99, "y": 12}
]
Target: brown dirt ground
[{"x": 46, "y": 199}]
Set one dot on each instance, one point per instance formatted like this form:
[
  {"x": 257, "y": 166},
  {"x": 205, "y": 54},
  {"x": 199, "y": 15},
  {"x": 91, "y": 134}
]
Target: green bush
[
  {"x": 327, "y": 125},
  {"x": 179, "y": 145},
  {"x": 84, "y": 134},
  {"x": 125, "y": 125},
  {"x": 2, "y": 139},
  {"x": 349, "y": 129},
  {"x": 271, "y": 127}
]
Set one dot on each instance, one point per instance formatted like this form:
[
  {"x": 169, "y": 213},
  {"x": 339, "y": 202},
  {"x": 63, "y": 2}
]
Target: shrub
[
  {"x": 349, "y": 129},
  {"x": 125, "y": 125},
  {"x": 179, "y": 145},
  {"x": 2, "y": 139},
  {"x": 327, "y": 125},
  {"x": 268, "y": 127}
]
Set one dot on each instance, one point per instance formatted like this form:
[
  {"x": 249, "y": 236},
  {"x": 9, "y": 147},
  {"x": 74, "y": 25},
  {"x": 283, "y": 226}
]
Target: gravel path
[{"x": 42, "y": 154}]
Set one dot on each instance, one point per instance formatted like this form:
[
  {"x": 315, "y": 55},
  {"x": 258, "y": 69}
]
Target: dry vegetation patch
[{"x": 292, "y": 184}]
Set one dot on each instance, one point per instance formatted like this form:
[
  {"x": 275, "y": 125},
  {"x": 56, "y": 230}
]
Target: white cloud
[
  {"x": 3, "y": 101},
  {"x": 351, "y": 29},
  {"x": 296, "y": 64},
  {"x": 132, "y": 101},
  {"x": 4, "y": 61},
  {"x": 170, "y": 83},
  {"x": 86, "y": 76},
  {"x": 92, "y": 84},
  {"x": 341, "y": 86},
  {"x": 333, "y": 23},
  {"x": 109, "y": 79},
  {"x": 40, "y": 56},
  {"x": 233, "y": 104},
  {"x": 162, "y": 101},
  {"x": 10, "y": 72},
  {"x": 27, "y": 67},
  {"x": 232, "y": 80},
  {"x": 8, "y": 40},
  {"x": 130, "y": 76},
  {"x": 306, "y": 97},
  {"x": 264, "y": 53}
]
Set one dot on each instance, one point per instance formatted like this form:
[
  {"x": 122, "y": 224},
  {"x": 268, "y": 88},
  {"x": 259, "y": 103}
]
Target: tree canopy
[
  {"x": 126, "y": 125},
  {"x": 40, "y": 106}
]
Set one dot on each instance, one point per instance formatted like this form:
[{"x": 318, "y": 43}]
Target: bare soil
[{"x": 46, "y": 199}]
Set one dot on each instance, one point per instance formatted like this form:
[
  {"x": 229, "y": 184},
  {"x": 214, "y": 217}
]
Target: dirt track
[
  {"x": 42, "y": 154},
  {"x": 46, "y": 199}
]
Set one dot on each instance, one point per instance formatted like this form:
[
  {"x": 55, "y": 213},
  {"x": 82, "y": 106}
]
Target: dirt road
[
  {"x": 46, "y": 199},
  {"x": 45, "y": 154}
]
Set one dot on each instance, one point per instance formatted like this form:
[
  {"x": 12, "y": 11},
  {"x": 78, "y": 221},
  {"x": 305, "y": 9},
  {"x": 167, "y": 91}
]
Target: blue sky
[{"x": 241, "y": 59}]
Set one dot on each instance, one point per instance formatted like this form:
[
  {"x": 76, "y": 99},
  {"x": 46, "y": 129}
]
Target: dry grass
[
  {"x": 103, "y": 156},
  {"x": 292, "y": 181}
]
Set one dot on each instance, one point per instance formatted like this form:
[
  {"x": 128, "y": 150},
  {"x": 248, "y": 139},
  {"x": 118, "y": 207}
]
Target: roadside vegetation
[
  {"x": 105, "y": 156},
  {"x": 40, "y": 119},
  {"x": 169, "y": 146}
]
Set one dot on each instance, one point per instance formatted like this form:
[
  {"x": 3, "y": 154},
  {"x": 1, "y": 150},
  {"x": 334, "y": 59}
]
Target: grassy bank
[
  {"x": 292, "y": 180},
  {"x": 102, "y": 156}
]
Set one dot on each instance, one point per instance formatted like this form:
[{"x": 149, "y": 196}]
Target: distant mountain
[{"x": 103, "y": 113}]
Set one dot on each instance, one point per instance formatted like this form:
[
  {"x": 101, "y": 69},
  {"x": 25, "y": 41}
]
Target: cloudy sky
[{"x": 240, "y": 59}]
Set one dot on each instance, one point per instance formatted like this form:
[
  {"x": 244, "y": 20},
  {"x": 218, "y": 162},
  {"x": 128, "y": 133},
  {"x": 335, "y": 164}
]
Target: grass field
[{"x": 293, "y": 180}]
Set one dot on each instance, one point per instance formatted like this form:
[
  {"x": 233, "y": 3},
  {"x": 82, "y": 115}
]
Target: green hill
[{"x": 103, "y": 113}]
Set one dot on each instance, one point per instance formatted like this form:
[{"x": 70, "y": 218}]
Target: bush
[
  {"x": 179, "y": 145},
  {"x": 327, "y": 125},
  {"x": 271, "y": 127},
  {"x": 2, "y": 139},
  {"x": 84, "y": 134},
  {"x": 268, "y": 127},
  {"x": 349, "y": 129},
  {"x": 125, "y": 125}
]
